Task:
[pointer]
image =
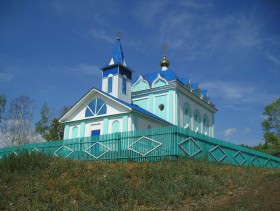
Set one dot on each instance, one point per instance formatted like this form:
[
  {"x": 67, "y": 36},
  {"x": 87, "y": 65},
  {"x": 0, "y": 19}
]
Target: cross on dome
[
  {"x": 164, "y": 47},
  {"x": 164, "y": 62},
  {"x": 118, "y": 35}
]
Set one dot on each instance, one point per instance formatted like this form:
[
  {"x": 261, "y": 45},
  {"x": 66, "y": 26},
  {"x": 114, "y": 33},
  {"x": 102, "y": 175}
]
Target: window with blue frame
[
  {"x": 110, "y": 84},
  {"x": 124, "y": 86},
  {"x": 96, "y": 107}
]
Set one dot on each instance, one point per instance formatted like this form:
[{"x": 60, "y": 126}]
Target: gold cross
[
  {"x": 118, "y": 35},
  {"x": 164, "y": 47}
]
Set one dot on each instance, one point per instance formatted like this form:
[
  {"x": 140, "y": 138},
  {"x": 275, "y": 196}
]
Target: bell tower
[{"x": 116, "y": 77}]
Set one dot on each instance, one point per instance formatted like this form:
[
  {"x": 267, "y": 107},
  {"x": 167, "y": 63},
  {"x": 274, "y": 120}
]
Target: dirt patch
[{"x": 265, "y": 195}]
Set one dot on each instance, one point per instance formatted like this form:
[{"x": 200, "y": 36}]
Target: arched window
[
  {"x": 186, "y": 116},
  {"x": 197, "y": 121},
  {"x": 96, "y": 107},
  {"x": 205, "y": 125},
  {"x": 205, "y": 120},
  {"x": 110, "y": 84},
  {"x": 115, "y": 126},
  {"x": 75, "y": 131},
  {"x": 124, "y": 84},
  {"x": 197, "y": 116}
]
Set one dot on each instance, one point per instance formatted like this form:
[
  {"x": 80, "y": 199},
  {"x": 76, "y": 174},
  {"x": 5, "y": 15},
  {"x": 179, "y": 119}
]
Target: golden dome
[{"x": 164, "y": 62}]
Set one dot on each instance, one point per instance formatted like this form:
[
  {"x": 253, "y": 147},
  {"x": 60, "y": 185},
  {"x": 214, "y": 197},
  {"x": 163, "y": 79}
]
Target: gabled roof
[
  {"x": 168, "y": 75},
  {"x": 128, "y": 105}
]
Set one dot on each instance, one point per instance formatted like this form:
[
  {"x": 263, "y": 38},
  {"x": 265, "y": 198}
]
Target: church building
[{"x": 152, "y": 100}]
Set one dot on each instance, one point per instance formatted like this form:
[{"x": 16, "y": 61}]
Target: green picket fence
[{"x": 150, "y": 145}]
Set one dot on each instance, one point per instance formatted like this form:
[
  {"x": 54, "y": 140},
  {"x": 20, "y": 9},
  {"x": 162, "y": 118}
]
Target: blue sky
[{"x": 52, "y": 51}]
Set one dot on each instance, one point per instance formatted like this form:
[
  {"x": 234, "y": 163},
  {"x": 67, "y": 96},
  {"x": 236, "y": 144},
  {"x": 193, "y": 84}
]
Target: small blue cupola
[
  {"x": 118, "y": 55},
  {"x": 116, "y": 77}
]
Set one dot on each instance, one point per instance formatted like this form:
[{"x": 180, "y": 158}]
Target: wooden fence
[{"x": 150, "y": 145}]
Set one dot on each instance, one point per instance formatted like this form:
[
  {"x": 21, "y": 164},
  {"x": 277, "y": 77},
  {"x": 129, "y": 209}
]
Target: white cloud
[
  {"x": 87, "y": 69},
  {"x": 148, "y": 11},
  {"x": 101, "y": 35},
  {"x": 83, "y": 69},
  {"x": 229, "y": 132},
  {"x": 246, "y": 131},
  {"x": 234, "y": 93},
  {"x": 191, "y": 26},
  {"x": 273, "y": 58},
  {"x": 193, "y": 4},
  {"x": 6, "y": 77}
]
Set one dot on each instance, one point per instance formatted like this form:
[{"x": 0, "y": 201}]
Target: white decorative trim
[
  {"x": 96, "y": 157},
  {"x": 210, "y": 151},
  {"x": 66, "y": 148},
  {"x": 234, "y": 157},
  {"x": 140, "y": 98},
  {"x": 34, "y": 149},
  {"x": 252, "y": 161},
  {"x": 153, "y": 149},
  {"x": 268, "y": 161},
  {"x": 111, "y": 61},
  {"x": 124, "y": 62},
  {"x": 187, "y": 140},
  {"x": 159, "y": 77},
  {"x": 140, "y": 78}
]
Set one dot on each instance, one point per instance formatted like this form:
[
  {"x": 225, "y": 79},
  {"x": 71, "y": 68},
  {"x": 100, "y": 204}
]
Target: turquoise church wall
[
  {"x": 82, "y": 129},
  {"x": 160, "y": 101},
  {"x": 152, "y": 101},
  {"x": 125, "y": 123},
  {"x": 66, "y": 132},
  {"x": 143, "y": 103}
]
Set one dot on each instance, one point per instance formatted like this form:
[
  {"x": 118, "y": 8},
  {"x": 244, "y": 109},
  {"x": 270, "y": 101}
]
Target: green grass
[{"x": 37, "y": 181}]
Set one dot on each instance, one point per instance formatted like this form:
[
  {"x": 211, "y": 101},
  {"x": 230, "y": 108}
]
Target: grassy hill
[{"x": 37, "y": 181}]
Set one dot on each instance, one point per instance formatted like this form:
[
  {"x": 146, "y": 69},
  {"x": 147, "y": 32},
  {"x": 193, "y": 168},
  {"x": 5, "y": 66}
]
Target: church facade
[{"x": 151, "y": 100}]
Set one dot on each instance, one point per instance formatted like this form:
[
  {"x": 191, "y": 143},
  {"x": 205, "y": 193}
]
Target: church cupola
[
  {"x": 116, "y": 77},
  {"x": 164, "y": 62},
  {"x": 118, "y": 55}
]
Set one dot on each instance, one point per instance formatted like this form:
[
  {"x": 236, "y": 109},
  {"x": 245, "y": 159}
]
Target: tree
[
  {"x": 49, "y": 126},
  {"x": 2, "y": 106},
  {"x": 271, "y": 125},
  {"x": 16, "y": 126},
  {"x": 56, "y": 130},
  {"x": 43, "y": 125}
]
